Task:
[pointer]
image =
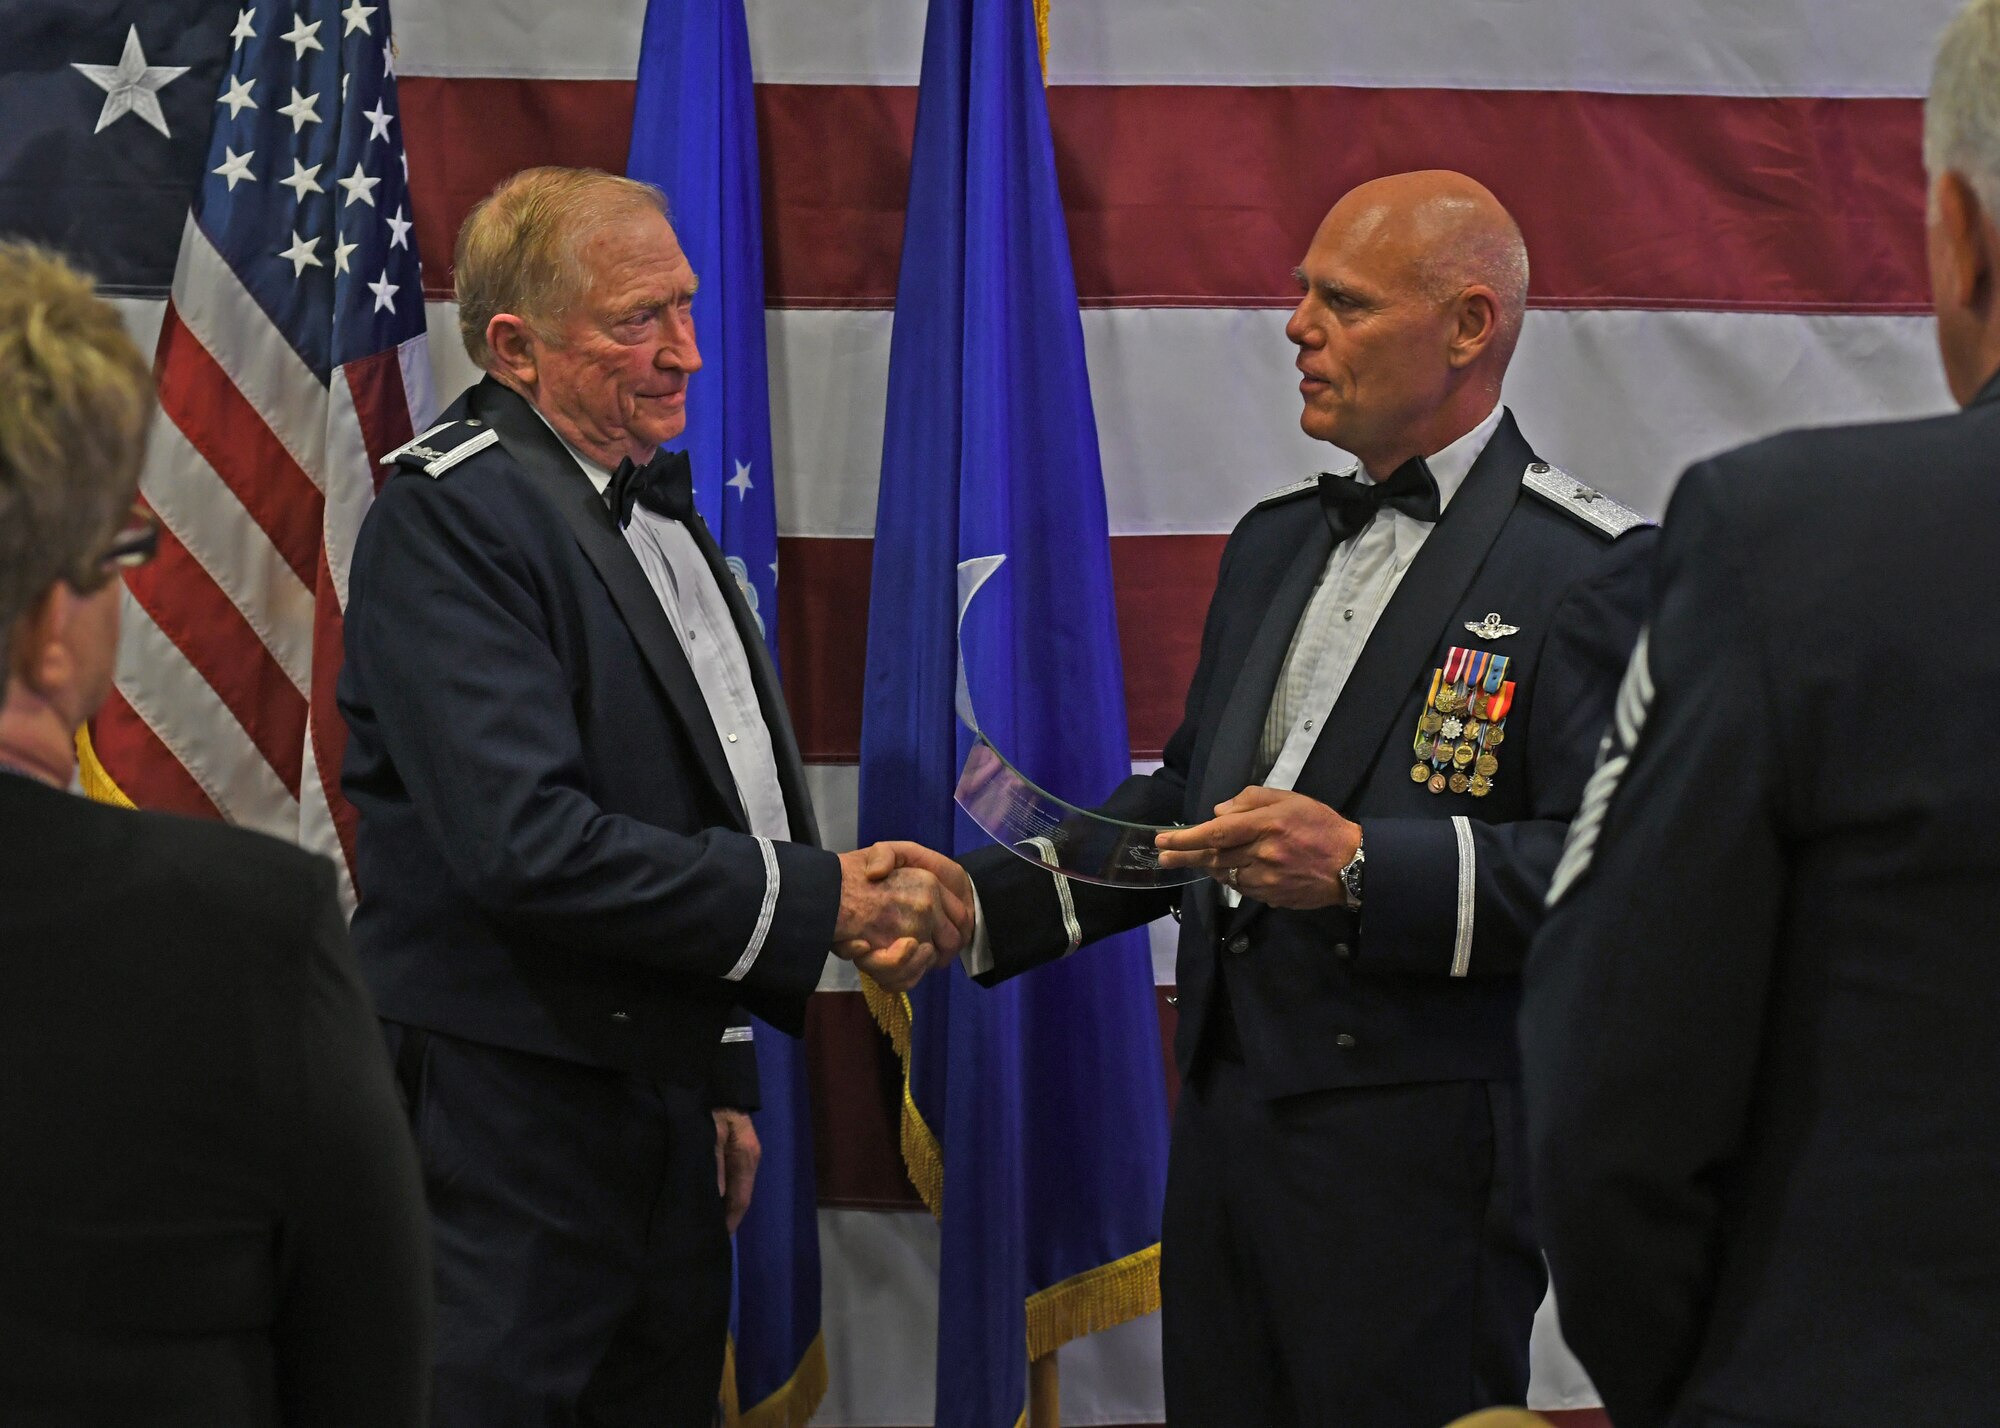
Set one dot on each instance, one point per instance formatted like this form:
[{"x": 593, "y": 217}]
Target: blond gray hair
[
  {"x": 75, "y": 400},
  {"x": 1962, "y": 115},
  {"x": 517, "y": 249}
]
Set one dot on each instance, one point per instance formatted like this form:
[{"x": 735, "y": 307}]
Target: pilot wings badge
[{"x": 1491, "y": 627}]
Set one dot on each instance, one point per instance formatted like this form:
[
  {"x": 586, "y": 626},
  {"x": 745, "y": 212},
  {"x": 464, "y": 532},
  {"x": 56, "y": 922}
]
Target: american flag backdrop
[
  {"x": 1723, "y": 203},
  {"x": 291, "y": 356}
]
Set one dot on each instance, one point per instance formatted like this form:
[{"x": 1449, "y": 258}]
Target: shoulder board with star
[
  {"x": 436, "y": 451},
  {"x": 1579, "y": 502},
  {"x": 1286, "y": 493}
]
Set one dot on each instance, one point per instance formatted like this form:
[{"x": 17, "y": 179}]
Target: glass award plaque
[{"x": 1030, "y": 821}]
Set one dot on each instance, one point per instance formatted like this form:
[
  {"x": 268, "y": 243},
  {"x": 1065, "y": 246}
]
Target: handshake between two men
[{"x": 906, "y": 910}]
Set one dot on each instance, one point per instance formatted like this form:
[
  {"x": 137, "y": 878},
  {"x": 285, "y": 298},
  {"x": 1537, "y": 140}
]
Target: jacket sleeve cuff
[
  {"x": 1419, "y": 895},
  {"x": 1024, "y": 918},
  {"x": 793, "y": 935}
]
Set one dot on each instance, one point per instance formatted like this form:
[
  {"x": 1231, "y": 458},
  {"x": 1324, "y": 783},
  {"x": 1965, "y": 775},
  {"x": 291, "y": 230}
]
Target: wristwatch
[{"x": 1350, "y": 876}]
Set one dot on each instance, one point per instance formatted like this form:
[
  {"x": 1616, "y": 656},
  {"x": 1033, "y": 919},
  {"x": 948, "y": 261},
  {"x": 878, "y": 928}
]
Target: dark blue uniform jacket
[
  {"x": 552, "y": 853},
  {"x": 1763, "y": 1075}
]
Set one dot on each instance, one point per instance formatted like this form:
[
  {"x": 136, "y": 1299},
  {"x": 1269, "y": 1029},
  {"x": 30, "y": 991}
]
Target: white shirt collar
[{"x": 1453, "y": 464}]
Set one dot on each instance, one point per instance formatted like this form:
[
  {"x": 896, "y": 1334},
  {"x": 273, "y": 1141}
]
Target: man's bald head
[
  {"x": 1415, "y": 288},
  {"x": 1447, "y": 233}
]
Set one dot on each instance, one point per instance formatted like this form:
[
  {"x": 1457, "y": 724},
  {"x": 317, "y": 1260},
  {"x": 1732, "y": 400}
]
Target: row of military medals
[{"x": 1464, "y": 721}]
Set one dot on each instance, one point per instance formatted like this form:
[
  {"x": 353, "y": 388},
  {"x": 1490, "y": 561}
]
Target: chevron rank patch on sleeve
[
  {"x": 436, "y": 451},
  {"x": 1569, "y": 495},
  {"x": 1614, "y": 755}
]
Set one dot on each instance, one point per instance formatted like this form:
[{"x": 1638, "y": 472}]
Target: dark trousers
[
  {"x": 582, "y": 1258},
  {"x": 1358, "y": 1258}
]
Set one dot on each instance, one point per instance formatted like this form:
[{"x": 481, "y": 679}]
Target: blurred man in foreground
[
  {"x": 1762, "y": 1072},
  {"x": 209, "y": 1206}
]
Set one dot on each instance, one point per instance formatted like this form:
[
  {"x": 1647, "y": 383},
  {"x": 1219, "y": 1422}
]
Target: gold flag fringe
[
  {"x": 792, "y": 1405},
  {"x": 1100, "y": 1298},
  {"x": 98, "y": 784},
  {"x": 921, "y": 1156},
  {"x": 1042, "y": 35}
]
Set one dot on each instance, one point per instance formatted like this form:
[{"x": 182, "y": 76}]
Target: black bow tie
[
  {"x": 1350, "y": 503},
  {"x": 664, "y": 485}
]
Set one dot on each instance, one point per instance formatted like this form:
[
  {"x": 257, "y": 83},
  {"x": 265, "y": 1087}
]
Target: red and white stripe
[{"x": 260, "y": 474}]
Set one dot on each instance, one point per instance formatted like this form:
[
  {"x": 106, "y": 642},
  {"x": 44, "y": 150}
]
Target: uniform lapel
[
  {"x": 529, "y": 440},
  {"x": 1403, "y": 640},
  {"x": 1234, "y": 750},
  {"x": 770, "y": 692}
]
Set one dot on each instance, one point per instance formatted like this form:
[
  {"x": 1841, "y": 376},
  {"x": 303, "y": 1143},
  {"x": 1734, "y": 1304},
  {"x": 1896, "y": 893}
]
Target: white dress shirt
[{"x": 695, "y": 606}]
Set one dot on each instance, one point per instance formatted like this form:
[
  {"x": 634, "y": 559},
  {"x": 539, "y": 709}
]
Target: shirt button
[
  {"x": 1346, "y": 614},
  {"x": 732, "y": 738},
  {"x": 1343, "y": 950},
  {"x": 1344, "y": 1041},
  {"x": 1309, "y": 723},
  {"x": 1239, "y": 944}
]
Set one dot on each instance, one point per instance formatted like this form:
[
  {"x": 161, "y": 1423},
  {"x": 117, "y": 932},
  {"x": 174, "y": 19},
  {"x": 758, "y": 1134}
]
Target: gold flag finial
[{"x": 1042, "y": 35}]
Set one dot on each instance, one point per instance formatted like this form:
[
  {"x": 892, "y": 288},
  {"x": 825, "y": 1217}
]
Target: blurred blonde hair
[
  {"x": 517, "y": 249},
  {"x": 75, "y": 400}
]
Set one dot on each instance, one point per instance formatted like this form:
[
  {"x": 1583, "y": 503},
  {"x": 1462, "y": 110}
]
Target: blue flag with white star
[
  {"x": 694, "y": 133},
  {"x": 1035, "y": 1122}
]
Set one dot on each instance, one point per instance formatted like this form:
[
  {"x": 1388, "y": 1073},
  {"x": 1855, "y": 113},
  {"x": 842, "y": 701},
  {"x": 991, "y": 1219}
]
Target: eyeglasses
[
  {"x": 136, "y": 541},
  {"x": 135, "y": 544}
]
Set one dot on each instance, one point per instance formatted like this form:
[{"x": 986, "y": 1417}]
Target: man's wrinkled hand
[
  {"x": 1279, "y": 847},
  {"x": 945, "y": 869},
  {"x": 904, "y": 911},
  {"x": 737, "y": 1154}
]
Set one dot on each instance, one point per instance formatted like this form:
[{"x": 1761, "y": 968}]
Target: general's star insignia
[{"x": 1491, "y": 627}]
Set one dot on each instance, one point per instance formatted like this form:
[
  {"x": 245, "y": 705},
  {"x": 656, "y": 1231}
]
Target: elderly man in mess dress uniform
[{"x": 586, "y": 843}]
